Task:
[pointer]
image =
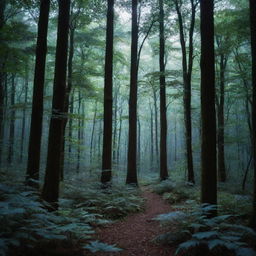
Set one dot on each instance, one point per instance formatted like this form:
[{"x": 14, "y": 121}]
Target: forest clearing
[{"x": 128, "y": 127}]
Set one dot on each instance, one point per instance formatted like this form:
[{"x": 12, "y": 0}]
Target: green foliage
[
  {"x": 97, "y": 246},
  {"x": 112, "y": 203},
  {"x": 218, "y": 235},
  {"x": 163, "y": 187}
]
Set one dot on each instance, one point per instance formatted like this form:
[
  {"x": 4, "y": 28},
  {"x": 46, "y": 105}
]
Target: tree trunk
[
  {"x": 119, "y": 135},
  {"x": 151, "y": 137},
  {"x": 23, "y": 126},
  {"x": 208, "y": 149},
  {"x": 163, "y": 120},
  {"x": 253, "y": 47},
  {"x": 132, "y": 137},
  {"x": 2, "y": 80},
  {"x": 156, "y": 127},
  {"x": 93, "y": 131},
  {"x": 36, "y": 124},
  {"x": 108, "y": 98},
  {"x": 53, "y": 166},
  {"x": 187, "y": 73},
  {"x": 79, "y": 134},
  {"x": 139, "y": 143},
  {"x": 12, "y": 123},
  {"x": 221, "y": 123}
]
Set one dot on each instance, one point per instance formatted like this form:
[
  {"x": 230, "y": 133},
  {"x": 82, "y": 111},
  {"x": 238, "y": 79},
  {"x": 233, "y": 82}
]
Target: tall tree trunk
[
  {"x": 23, "y": 126},
  {"x": 79, "y": 134},
  {"x": 36, "y": 124},
  {"x": 151, "y": 138},
  {"x": 70, "y": 131},
  {"x": 253, "y": 46},
  {"x": 221, "y": 123},
  {"x": 156, "y": 127},
  {"x": 119, "y": 135},
  {"x": 93, "y": 131},
  {"x": 2, "y": 79},
  {"x": 139, "y": 143},
  {"x": 132, "y": 137},
  {"x": 208, "y": 149},
  {"x": 53, "y": 166},
  {"x": 108, "y": 97},
  {"x": 12, "y": 123},
  {"x": 187, "y": 66},
  {"x": 163, "y": 120}
]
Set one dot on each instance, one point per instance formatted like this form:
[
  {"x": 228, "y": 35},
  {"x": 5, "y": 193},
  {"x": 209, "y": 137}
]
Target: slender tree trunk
[
  {"x": 79, "y": 134},
  {"x": 53, "y": 167},
  {"x": 208, "y": 149},
  {"x": 93, "y": 131},
  {"x": 163, "y": 120},
  {"x": 156, "y": 128},
  {"x": 2, "y": 80},
  {"x": 187, "y": 73},
  {"x": 108, "y": 98},
  {"x": 23, "y": 126},
  {"x": 119, "y": 135},
  {"x": 115, "y": 124},
  {"x": 253, "y": 47},
  {"x": 70, "y": 131},
  {"x": 12, "y": 123},
  {"x": 139, "y": 143},
  {"x": 221, "y": 123},
  {"x": 34, "y": 148},
  {"x": 67, "y": 94},
  {"x": 132, "y": 137},
  {"x": 151, "y": 138}
]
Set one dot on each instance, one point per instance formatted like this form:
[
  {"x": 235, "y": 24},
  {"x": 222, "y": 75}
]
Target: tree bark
[
  {"x": 132, "y": 137},
  {"x": 12, "y": 122},
  {"x": 24, "y": 113},
  {"x": 221, "y": 122},
  {"x": 108, "y": 97},
  {"x": 163, "y": 119},
  {"x": 253, "y": 49},
  {"x": 187, "y": 66},
  {"x": 53, "y": 167},
  {"x": 34, "y": 148},
  {"x": 208, "y": 115},
  {"x": 93, "y": 131}
]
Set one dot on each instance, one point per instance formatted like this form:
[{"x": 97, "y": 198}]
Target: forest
[{"x": 128, "y": 127}]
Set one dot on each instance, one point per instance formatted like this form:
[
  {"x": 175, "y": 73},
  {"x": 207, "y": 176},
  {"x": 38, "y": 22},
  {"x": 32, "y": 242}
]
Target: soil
[{"x": 135, "y": 233}]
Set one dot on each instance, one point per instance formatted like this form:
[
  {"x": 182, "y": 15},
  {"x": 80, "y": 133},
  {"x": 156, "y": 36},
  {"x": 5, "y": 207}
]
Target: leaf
[
  {"x": 171, "y": 217},
  {"x": 97, "y": 246},
  {"x": 215, "y": 242},
  {"x": 206, "y": 235},
  {"x": 186, "y": 245},
  {"x": 245, "y": 252}
]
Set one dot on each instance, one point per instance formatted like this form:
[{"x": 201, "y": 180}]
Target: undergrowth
[
  {"x": 25, "y": 222},
  {"x": 197, "y": 234}
]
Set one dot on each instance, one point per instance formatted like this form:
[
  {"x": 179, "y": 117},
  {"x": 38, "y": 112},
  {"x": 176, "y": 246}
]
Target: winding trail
[{"x": 135, "y": 233}]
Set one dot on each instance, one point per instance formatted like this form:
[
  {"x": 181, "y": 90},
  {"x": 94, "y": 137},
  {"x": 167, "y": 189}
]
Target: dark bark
[
  {"x": 108, "y": 98},
  {"x": 208, "y": 114},
  {"x": 151, "y": 137},
  {"x": 53, "y": 166},
  {"x": 132, "y": 136},
  {"x": 187, "y": 65},
  {"x": 34, "y": 148},
  {"x": 221, "y": 121},
  {"x": 253, "y": 49},
  {"x": 70, "y": 131},
  {"x": 12, "y": 122},
  {"x": 156, "y": 127},
  {"x": 163, "y": 119},
  {"x": 93, "y": 131},
  {"x": 2, "y": 78},
  {"x": 139, "y": 143},
  {"x": 79, "y": 134},
  {"x": 68, "y": 90},
  {"x": 23, "y": 126}
]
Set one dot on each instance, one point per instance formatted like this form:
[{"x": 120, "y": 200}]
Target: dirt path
[{"x": 136, "y": 232}]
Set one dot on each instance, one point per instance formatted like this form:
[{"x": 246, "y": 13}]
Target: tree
[
  {"x": 52, "y": 175},
  {"x": 132, "y": 136},
  {"x": 108, "y": 97},
  {"x": 34, "y": 149},
  {"x": 163, "y": 119},
  {"x": 187, "y": 66},
  {"x": 208, "y": 115},
  {"x": 253, "y": 50}
]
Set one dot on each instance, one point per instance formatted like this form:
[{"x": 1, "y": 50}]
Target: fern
[{"x": 97, "y": 246}]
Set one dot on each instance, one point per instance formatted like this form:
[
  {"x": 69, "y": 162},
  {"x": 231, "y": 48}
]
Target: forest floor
[{"x": 135, "y": 233}]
